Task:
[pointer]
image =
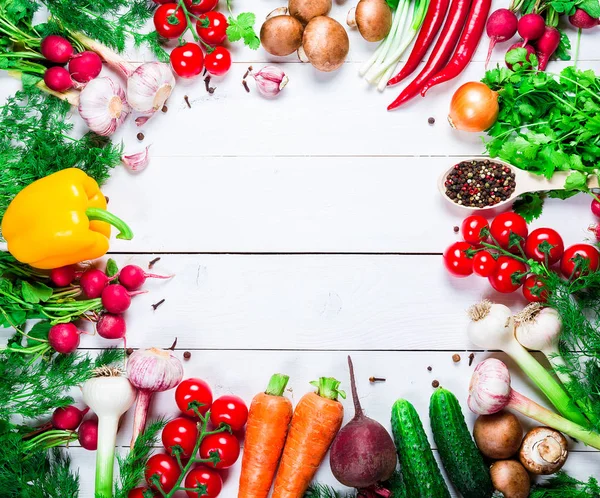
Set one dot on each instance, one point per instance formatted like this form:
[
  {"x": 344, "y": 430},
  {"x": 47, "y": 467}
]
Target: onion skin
[{"x": 474, "y": 107}]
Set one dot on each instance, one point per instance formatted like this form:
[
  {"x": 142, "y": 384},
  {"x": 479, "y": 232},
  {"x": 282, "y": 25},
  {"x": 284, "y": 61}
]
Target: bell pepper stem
[{"x": 125, "y": 233}]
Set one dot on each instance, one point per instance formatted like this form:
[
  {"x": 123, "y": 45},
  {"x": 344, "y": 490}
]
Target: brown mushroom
[
  {"x": 373, "y": 18},
  {"x": 544, "y": 451},
  {"x": 510, "y": 478},
  {"x": 498, "y": 436},
  {"x": 325, "y": 44},
  {"x": 305, "y": 10},
  {"x": 281, "y": 35}
]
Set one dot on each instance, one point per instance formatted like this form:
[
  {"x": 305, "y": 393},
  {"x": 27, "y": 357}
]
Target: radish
[
  {"x": 93, "y": 282},
  {"x": 582, "y": 20},
  {"x": 68, "y": 418},
  {"x": 85, "y": 66},
  {"x": 58, "y": 79},
  {"x": 88, "y": 434},
  {"x": 132, "y": 277},
  {"x": 547, "y": 45},
  {"x": 363, "y": 453},
  {"x": 529, "y": 48},
  {"x": 56, "y": 49},
  {"x": 117, "y": 299},
  {"x": 501, "y": 26},
  {"x": 595, "y": 207},
  {"x": 64, "y": 338},
  {"x": 111, "y": 326},
  {"x": 531, "y": 27},
  {"x": 63, "y": 276}
]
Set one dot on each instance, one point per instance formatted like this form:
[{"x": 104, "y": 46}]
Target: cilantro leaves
[{"x": 242, "y": 28}]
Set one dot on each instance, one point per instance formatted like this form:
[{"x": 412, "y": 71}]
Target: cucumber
[
  {"x": 422, "y": 476},
  {"x": 461, "y": 458}
]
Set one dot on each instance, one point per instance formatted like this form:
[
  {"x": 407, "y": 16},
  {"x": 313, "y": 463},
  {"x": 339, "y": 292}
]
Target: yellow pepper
[{"x": 60, "y": 220}]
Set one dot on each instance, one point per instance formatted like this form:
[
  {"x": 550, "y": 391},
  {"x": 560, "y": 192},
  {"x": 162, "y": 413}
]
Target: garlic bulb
[
  {"x": 270, "y": 80},
  {"x": 102, "y": 105},
  {"x": 149, "y": 87},
  {"x": 136, "y": 162},
  {"x": 489, "y": 390}
]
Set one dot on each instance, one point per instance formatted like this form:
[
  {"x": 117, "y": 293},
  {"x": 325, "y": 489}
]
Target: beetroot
[
  {"x": 93, "y": 282},
  {"x": 581, "y": 19},
  {"x": 68, "y": 418},
  {"x": 85, "y": 66},
  {"x": 500, "y": 26},
  {"x": 132, "y": 277},
  {"x": 64, "y": 338},
  {"x": 531, "y": 27},
  {"x": 88, "y": 434},
  {"x": 362, "y": 453},
  {"x": 546, "y": 46},
  {"x": 56, "y": 49},
  {"x": 111, "y": 326},
  {"x": 529, "y": 48},
  {"x": 58, "y": 79},
  {"x": 63, "y": 276}
]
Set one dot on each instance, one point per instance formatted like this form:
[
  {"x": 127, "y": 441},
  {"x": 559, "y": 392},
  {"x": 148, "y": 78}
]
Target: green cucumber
[
  {"x": 461, "y": 458},
  {"x": 422, "y": 476}
]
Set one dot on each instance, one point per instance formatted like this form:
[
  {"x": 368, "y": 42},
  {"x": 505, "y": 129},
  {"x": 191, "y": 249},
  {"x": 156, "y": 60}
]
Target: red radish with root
[
  {"x": 501, "y": 26},
  {"x": 58, "y": 79},
  {"x": 117, "y": 299},
  {"x": 531, "y": 27},
  {"x": 68, "y": 418},
  {"x": 64, "y": 338},
  {"x": 546, "y": 46},
  {"x": 63, "y": 276},
  {"x": 529, "y": 48},
  {"x": 595, "y": 207},
  {"x": 582, "y": 20},
  {"x": 88, "y": 434},
  {"x": 56, "y": 49},
  {"x": 85, "y": 66},
  {"x": 93, "y": 282},
  {"x": 132, "y": 277},
  {"x": 111, "y": 326}
]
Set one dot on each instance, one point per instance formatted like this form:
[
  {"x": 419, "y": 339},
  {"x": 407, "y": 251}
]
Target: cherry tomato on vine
[
  {"x": 541, "y": 238},
  {"x": 198, "y": 7},
  {"x": 484, "y": 264},
  {"x": 573, "y": 254},
  {"x": 187, "y": 60},
  {"x": 141, "y": 493},
  {"x": 169, "y": 21},
  {"x": 506, "y": 223},
  {"x": 204, "y": 476},
  {"x": 456, "y": 260},
  {"x": 180, "y": 431},
  {"x": 193, "y": 389},
  {"x": 212, "y": 28},
  {"x": 225, "y": 444},
  {"x": 508, "y": 275},
  {"x": 471, "y": 229},
  {"x": 534, "y": 290},
  {"x": 229, "y": 410},
  {"x": 167, "y": 469},
  {"x": 218, "y": 61}
]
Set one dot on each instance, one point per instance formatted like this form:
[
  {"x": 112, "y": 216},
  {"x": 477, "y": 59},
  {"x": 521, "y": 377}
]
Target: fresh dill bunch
[
  {"x": 564, "y": 486},
  {"x": 318, "y": 490},
  {"x": 132, "y": 467}
]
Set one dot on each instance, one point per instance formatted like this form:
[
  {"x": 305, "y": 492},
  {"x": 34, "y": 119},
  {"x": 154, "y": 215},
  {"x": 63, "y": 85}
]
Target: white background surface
[{"x": 304, "y": 229}]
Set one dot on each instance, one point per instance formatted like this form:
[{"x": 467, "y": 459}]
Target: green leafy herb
[
  {"x": 530, "y": 205},
  {"x": 565, "y": 486},
  {"x": 111, "y": 268},
  {"x": 318, "y": 490},
  {"x": 242, "y": 28}
]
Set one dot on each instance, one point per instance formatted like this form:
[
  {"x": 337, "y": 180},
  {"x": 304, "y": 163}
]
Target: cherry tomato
[
  {"x": 198, "y": 7},
  {"x": 169, "y": 21},
  {"x": 187, "y": 60},
  {"x": 484, "y": 264},
  {"x": 534, "y": 296},
  {"x": 141, "y": 493},
  {"x": 190, "y": 390},
  {"x": 180, "y": 431},
  {"x": 456, "y": 261},
  {"x": 504, "y": 224},
  {"x": 574, "y": 253},
  {"x": 506, "y": 273},
  {"x": 212, "y": 28},
  {"x": 218, "y": 61},
  {"x": 166, "y": 467},
  {"x": 472, "y": 227},
  {"x": 230, "y": 410},
  {"x": 544, "y": 237},
  {"x": 225, "y": 444},
  {"x": 206, "y": 477}
]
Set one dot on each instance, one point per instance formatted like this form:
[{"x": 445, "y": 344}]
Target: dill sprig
[
  {"x": 564, "y": 486},
  {"x": 318, "y": 490}
]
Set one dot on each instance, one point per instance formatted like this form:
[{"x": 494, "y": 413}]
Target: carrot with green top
[
  {"x": 268, "y": 423},
  {"x": 317, "y": 419}
]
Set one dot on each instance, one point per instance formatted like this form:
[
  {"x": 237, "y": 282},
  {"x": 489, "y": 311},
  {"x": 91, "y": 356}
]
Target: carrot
[
  {"x": 316, "y": 421},
  {"x": 268, "y": 423}
]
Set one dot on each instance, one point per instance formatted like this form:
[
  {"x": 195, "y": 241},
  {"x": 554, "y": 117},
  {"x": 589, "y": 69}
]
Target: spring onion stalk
[{"x": 109, "y": 395}]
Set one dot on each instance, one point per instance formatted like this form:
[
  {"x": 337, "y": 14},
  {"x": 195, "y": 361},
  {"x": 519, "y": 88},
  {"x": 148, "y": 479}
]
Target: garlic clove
[
  {"x": 136, "y": 162},
  {"x": 103, "y": 106},
  {"x": 149, "y": 87},
  {"x": 270, "y": 80}
]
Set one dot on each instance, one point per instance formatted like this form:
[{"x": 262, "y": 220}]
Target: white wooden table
[{"x": 304, "y": 229}]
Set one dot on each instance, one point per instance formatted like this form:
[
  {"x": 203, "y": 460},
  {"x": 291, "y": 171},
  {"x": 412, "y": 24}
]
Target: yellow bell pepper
[{"x": 60, "y": 220}]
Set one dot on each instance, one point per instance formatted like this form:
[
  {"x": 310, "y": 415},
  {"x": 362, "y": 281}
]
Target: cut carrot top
[
  {"x": 277, "y": 384},
  {"x": 327, "y": 387}
]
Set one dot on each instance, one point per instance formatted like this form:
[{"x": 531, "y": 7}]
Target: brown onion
[{"x": 474, "y": 107}]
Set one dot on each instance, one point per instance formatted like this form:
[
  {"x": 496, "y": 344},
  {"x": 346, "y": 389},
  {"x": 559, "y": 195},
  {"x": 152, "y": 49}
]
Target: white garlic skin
[
  {"x": 270, "y": 80},
  {"x": 489, "y": 390},
  {"x": 136, "y": 162},
  {"x": 103, "y": 106},
  {"x": 149, "y": 87}
]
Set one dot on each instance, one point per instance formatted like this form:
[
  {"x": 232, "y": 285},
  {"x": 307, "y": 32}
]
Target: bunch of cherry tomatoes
[
  {"x": 504, "y": 251},
  {"x": 182, "y": 432},
  {"x": 209, "y": 28}
]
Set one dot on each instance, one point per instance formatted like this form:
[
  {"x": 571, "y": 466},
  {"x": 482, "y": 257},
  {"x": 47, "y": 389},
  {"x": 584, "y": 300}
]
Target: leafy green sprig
[{"x": 564, "y": 486}]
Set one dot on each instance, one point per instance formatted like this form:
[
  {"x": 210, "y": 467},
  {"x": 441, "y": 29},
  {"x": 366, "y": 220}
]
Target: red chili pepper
[
  {"x": 431, "y": 25},
  {"x": 466, "y": 45},
  {"x": 441, "y": 51}
]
